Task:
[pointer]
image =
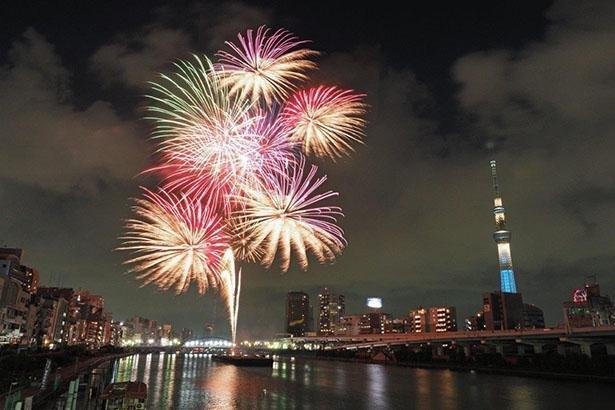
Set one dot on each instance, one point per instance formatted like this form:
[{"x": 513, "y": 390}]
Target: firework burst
[
  {"x": 282, "y": 216},
  {"x": 326, "y": 120},
  {"x": 212, "y": 143},
  {"x": 204, "y": 135},
  {"x": 235, "y": 184},
  {"x": 265, "y": 64},
  {"x": 177, "y": 241}
]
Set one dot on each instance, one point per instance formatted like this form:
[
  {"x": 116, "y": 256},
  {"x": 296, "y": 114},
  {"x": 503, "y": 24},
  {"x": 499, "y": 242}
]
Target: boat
[
  {"x": 125, "y": 396},
  {"x": 244, "y": 360}
]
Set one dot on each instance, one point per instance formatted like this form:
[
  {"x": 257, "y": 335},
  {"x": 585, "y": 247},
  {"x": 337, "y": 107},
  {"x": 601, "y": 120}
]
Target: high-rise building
[
  {"x": 10, "y": 265},
  {"x": 332, "y": 308},
  {"x": 297, "y": 313},
  {"x": 350, "y": 325},
  {"x": 433, "y": 319},
  {"x": 115, "y": 338},
  {"x": 373, "y": 323},
  {"x": 88, "y": 319},
  {"x": 503, "y": 310},
  {"x": 443, "y": 319},
  {"x": 13, "y": 310},
  {"x": 502, "y": 238},
  {"x": 475, "y": 322},
  {"x": 69, "y": 317},
  {"x": 588, "y": 307},
  {"x": 47, "y": 324},
  {"x": 533, "y": 317},
  {"x": 418, "y": 320},
  {"x": 398, "y": 325}
]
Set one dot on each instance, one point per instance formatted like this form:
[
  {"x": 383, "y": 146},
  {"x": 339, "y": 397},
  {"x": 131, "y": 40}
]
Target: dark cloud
[
  {"x": 45, "y": 140},
  {"x": 136, "y": 57}
]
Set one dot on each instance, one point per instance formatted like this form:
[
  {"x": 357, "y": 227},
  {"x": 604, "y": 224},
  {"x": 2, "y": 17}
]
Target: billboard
[{"x": 374, "y": 303}]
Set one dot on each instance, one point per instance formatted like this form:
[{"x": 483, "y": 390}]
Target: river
[{"x": 195, "y": 382}]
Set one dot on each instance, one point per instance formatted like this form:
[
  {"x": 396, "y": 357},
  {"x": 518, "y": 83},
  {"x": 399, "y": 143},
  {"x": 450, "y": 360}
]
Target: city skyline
[{"x": 418, "y": 223}]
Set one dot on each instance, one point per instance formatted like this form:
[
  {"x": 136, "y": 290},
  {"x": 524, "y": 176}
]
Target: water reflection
[
  {"x": 196, "y": 382},
  {"x": 376, "y": 385}
]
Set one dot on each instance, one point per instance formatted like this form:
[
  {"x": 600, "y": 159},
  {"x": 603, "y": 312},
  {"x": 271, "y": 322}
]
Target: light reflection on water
[{"x": 196, "y": 382}]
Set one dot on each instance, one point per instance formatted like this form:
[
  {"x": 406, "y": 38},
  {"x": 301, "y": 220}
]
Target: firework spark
[
  {"x": 265, "y": 65},
  {"x": 204, "y": 135},
  {"x": 177, "y": 241},
  {"x": 212, "y": 143},
  {"x": 326, "y": 120},
  {"x": 281, "y": 216},
  {"x": 230, "y": 286}
]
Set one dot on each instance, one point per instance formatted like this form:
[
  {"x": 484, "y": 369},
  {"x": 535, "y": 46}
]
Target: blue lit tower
[{"x": 502, "y": 238}]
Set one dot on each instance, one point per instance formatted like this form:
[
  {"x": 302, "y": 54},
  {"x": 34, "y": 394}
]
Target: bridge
[
  {"x": 208, "y": 343},
  {"x": 583, "y": 340}
]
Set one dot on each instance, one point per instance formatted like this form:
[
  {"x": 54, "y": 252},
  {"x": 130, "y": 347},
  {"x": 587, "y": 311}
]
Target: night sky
[{"x": 448, "y": 88}]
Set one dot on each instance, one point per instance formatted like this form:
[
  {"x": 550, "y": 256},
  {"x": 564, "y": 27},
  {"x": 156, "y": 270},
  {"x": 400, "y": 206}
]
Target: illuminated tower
[{"x": 502, "y": 238}]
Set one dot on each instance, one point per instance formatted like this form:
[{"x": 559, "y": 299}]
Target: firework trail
[
  {"x": 282, "y": 216},
  {"x": 326, "y": 120},
  {"x": 230, "y": 286},
  {"x": 265, "y": 64},
  {"x": 177, "y": 241}
]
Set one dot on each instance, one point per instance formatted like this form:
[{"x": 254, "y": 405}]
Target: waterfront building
[
  {"x": 332, "y": 308},
  {"x": 70, "y": 318},
  {"x": 588, "y": 308},
  {"x": 186, "y": 334},
  {"x": 503, "y": 310},
  {"x": 350, "y": 325},
  {"x": 396, "y": 325},
  {"x": 533, "y": 317},
  {"x": 418, "y": 320},
  {"x": 297, "y": 313},
  {"x": 165, "y": 331},
  {"x": 139, "y": 330},
  {"x": 10, "y": 265},
  {"x": 443, "y": 319},
  {"x": 475, "y": 322},
  {"x": 48, "y": 317},
  {"x": 373, "y": 323},
  {"x": 13, "y": 310},
  {"x": 433, "y": 319},
  {"x": 87, "y": 319}
]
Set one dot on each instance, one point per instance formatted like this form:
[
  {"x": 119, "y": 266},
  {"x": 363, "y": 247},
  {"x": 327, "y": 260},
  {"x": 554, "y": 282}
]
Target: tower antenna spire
[
  {"x": 494, "y": 178},
  {"x": 502, "y": 237}
]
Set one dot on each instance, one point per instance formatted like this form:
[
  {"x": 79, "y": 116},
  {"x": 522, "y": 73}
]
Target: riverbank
[
  {"x": 61, "y": 376},
  {"x": 466, "y": 368}
]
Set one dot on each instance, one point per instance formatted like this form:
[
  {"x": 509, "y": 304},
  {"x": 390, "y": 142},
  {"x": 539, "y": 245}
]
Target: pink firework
[
  {"x": 283, "y": 215},
  {"x": 274, "y": 150},
  {"x": 262, "y": 149},
  {"x": 265, "y": 65},
  {"x": 176, "y": 240},
  {"x": 326, "y": 120}
]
